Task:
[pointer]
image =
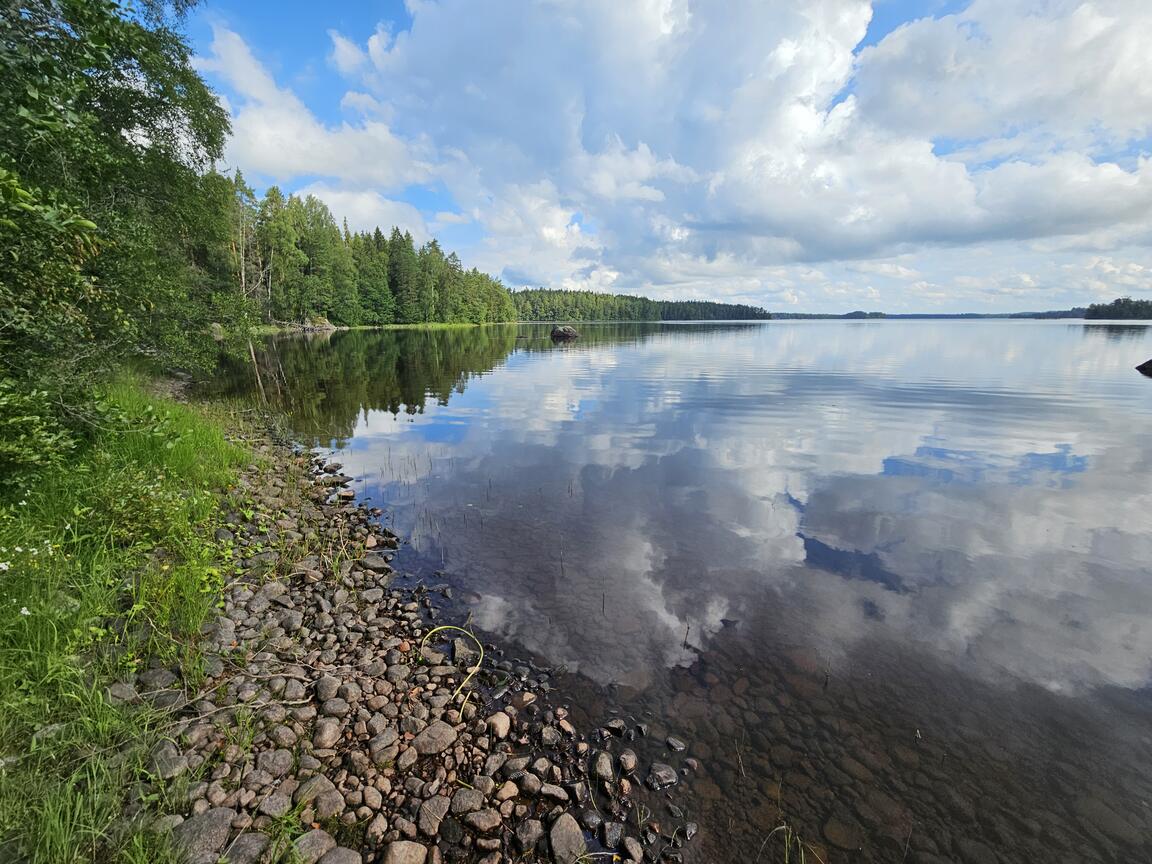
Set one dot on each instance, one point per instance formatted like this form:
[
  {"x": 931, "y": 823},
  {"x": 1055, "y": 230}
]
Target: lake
[{"x": 890, "y": 580}]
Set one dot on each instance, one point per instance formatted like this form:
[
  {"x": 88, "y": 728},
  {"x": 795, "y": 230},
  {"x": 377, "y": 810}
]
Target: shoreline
[
  {"x": 401, "y": 748},
  {"x": 322, "y": 714}
]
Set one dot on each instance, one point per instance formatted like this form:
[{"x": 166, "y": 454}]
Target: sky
[{"x": 801, "y": 155}]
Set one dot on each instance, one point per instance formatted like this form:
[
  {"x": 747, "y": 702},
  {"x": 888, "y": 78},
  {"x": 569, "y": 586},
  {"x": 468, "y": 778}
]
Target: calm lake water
[{"x": 892, "y": 581}]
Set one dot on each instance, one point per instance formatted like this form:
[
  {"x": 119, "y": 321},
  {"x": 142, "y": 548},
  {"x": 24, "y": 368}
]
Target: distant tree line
[
  {"x": 546, "y": 304},
  {"x": 1121, "y": 309}
]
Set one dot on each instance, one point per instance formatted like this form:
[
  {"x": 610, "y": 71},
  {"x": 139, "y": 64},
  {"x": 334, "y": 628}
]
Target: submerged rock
[
  {"x": 564, "y": 334},
  {"x": 1145, "y": 368}
]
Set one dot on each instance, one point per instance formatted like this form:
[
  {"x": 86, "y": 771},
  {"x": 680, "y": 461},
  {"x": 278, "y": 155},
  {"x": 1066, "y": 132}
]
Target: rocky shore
[{"x": 333, "y": 715}]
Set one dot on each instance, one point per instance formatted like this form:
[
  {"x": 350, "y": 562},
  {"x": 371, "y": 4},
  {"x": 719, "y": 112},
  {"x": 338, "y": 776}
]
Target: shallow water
[{"x": 891, "y": 580}]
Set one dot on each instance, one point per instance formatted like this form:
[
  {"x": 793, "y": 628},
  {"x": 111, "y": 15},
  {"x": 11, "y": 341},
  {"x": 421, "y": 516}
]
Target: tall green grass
[{"x": 106, "y": 565}]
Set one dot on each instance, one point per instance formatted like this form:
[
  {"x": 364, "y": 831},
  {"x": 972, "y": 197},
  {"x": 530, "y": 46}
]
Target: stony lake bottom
[{"x": 891, "y": 581}]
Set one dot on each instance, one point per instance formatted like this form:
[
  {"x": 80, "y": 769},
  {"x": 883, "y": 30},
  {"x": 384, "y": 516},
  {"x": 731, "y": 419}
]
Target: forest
[
  {"x": 1120, "y": 309},
  {"x": 293, "y": 263},
  {"x": 544, "y": 304},
  {"x": 124, "y": 244}
]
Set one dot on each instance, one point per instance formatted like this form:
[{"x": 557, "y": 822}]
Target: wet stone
[
  {"x": 602, "y": 766},
  {"x": 843, "y": 833},
  {"x": 613, "y": 834},
  {"x": 661, "y": 776},
  {"x": 974, "y": 852}
]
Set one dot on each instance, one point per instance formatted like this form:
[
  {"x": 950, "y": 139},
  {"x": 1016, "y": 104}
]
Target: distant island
[
  {"x": 548, "y": 304},
  {"x": 1119, "y": 310}
]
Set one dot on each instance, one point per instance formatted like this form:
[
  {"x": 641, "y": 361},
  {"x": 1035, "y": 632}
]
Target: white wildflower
[
  {"x": 24, "y": 610},
  {"x": 4, "y": 565}
]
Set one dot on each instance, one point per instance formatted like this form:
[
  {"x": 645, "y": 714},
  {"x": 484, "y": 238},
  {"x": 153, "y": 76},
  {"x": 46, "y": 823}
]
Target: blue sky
[{"x": 819, "y": 155}]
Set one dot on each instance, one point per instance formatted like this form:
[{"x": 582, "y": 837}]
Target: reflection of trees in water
[
  {"x": 1117, "y": 332},
  {"x": 536, "y": 337},
  {"x": 323, "y": 382}
]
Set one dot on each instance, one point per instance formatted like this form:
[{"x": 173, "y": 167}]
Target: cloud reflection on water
[{"x": 973, "y": 488}]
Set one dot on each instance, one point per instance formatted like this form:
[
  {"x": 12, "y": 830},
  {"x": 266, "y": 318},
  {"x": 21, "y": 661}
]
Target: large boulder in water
[
  {"x": 1145, "y": 368},
  {"x": 564, "y": 334}
]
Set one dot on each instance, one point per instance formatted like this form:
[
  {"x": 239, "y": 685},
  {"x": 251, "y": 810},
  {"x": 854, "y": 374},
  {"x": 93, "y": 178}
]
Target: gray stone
[
  {"x": 275, "y": 805},
  {"x": 201, "y": 837},
  {"x": 567, "y": 840},
  {"x": 340, "y": 855},
  {"x": 167, "y": 761},
  {"x": 549, "y": 790},
  {"x": 377, "y": 828},
  {"x": 313, "y": 846},
  {"x": 312, "y": 788},
  {"x": 467, "y": 800},
  {"x": 375, "y": 562},
  {"x": 327, "y": 733},
  {"x": 329, "y": 804},
  {"x": 405, "y": 852},
  {"x": 326, "y": 688},
  {"x": 484, "y": 821},
  {"x": 275, "y": 762},
  {"x": 431, "y": 812},
  {"x": 336, "y": 707},
  {"x": 633, "y": 849},
  {"x": 528, "y": 834},
  {"x": 248, "y": 848},
  {"x": 157, "y": 679},
  {"x": 437, "y": 738},
  {"x": 123, "y": 693},
  {"x": 676, "y": 745}
]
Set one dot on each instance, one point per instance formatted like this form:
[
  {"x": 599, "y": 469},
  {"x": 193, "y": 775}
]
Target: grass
[{"x": 106, "y": 565}]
